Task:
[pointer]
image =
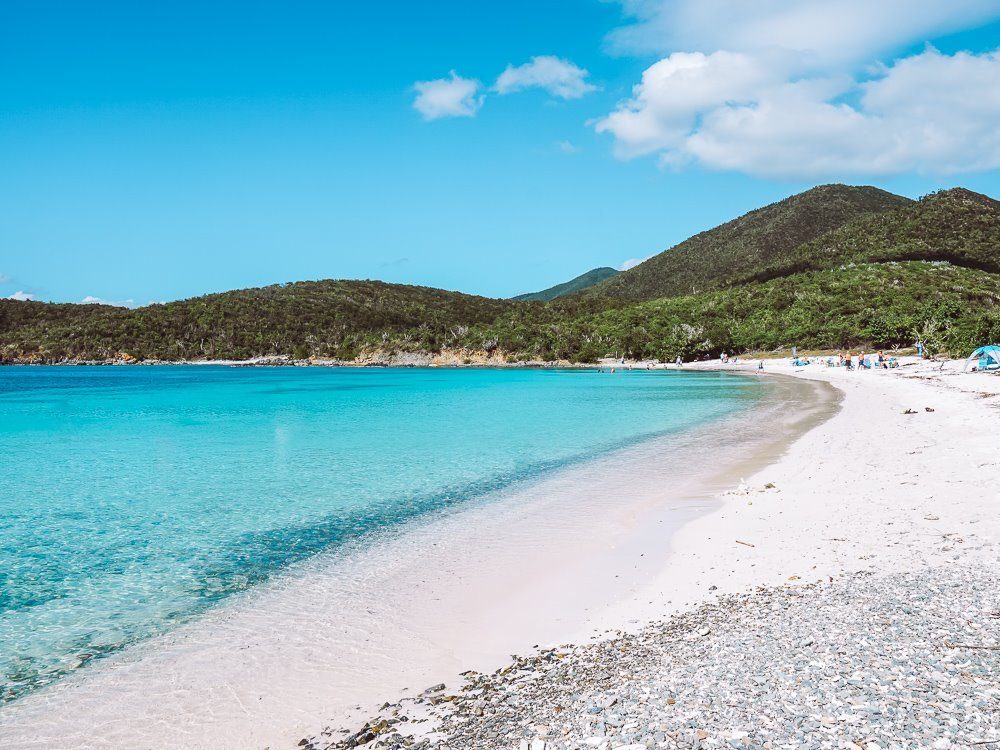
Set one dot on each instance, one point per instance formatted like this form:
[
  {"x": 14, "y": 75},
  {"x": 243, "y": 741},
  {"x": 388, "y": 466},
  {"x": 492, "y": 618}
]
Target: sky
[{"x": 162, "y": 150}]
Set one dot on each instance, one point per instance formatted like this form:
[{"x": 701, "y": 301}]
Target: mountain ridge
[
  {"x": 707, "y": 260},
  {"x": 583, "y": 281},
  {"x": 889, "y": 271},
  {"x": 956, "y": 226}
]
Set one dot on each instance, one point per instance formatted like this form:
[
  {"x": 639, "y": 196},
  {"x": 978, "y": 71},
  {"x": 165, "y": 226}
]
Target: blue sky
[{"x": 155, "y": 151}]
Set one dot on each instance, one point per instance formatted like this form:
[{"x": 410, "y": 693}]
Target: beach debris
[
  {"x": 745, "y": 544},
  {"x": 928, "y": 408},
  {"x": 910, "y": 411}
]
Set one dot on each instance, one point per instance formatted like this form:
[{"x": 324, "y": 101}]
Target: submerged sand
[{"x": 613, "y": 544}]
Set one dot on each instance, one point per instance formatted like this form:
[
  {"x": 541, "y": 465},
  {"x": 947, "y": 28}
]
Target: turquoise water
[{"x": 135, "y": 497}]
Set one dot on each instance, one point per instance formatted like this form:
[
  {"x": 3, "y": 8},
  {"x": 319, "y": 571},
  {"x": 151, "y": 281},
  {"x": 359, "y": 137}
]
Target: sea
[{"x": 136, "y": 498}]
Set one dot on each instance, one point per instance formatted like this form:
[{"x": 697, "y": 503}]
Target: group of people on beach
[{"x": 861, "y": 361}]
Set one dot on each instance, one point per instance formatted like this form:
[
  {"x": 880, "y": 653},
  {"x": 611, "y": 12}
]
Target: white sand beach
[
  {"x": 872, "y": 489},
  {"x": 611, "y": 546}
]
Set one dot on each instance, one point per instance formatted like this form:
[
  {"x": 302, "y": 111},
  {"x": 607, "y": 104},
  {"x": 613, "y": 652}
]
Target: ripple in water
[{"x": 134, "y": 498}]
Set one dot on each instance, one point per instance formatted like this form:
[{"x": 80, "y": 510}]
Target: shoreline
[
  {"x": 448, "y": 591},
  {"x": 870, "y": 622},
  {"x": 846, "y": 497}
]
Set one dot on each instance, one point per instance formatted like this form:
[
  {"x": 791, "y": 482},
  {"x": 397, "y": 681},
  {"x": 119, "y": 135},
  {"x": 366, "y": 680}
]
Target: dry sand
[{"x": 871, "y": 489}]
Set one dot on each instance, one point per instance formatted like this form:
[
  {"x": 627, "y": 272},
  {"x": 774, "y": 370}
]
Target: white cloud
[
  {"x": 89, "y": 300},
  {"x": 674, "y": 92},
  {"x": 568, "y": 148},
  {"x": 448, "y": 97},
  {"x": 797, "y": 89},
  {"x": 558, "y": 77},
  {"x": 22, "y": 296},
  {"x": 826, "y": 31},
  {"x": 928, "y": 112},
  {"x": 632, "y": 263},
  {"x": 4, "y": 278}
]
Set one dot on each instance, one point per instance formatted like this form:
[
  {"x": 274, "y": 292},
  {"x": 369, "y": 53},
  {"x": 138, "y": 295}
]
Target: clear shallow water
[{"x": 133, "y": 498}]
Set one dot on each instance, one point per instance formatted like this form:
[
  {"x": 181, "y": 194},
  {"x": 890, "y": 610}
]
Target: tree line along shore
[{"x": 834, "y": 267}]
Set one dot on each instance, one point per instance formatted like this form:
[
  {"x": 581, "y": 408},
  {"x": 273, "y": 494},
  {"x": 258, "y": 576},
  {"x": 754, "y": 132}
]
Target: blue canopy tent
[{"x": 988, "y": 356}]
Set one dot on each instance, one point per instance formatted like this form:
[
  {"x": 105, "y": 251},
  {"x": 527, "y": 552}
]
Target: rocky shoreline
[
  {"x": 869, "y": 662},
  {"x": 448, "y": 358}
]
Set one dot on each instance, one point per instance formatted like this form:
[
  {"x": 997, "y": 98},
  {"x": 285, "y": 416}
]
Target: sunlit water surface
[{"x": 135, "y": 497}]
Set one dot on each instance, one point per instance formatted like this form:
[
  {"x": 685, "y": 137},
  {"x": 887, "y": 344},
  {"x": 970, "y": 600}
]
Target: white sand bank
[
  {"x": 871, "y": 489},
  {"x": 611, "y": 544}
]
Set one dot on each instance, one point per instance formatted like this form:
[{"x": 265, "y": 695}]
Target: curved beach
[
  {"x": 818, "y": 484},
  {"x": 845, "y": 596},
  {"x": 561, "y": 558}
]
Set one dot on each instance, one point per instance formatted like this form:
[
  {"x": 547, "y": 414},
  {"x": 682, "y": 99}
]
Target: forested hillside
[
  {"x": 956, "y": 226},
  {"x": 747, "y": 245},
  {"x": 583, "y": 281},
  {"x": 834, "y": 267},
  {"x": 296, "y": 319}
]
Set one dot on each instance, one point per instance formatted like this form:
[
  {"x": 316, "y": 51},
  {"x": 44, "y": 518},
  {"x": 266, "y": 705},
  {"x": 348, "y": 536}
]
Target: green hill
[
  {"x": 747, "y": 245},
  {"x": 870, "y": 306},
  {"x": 957, "y": 226},
  {"x": 833, "y": 267},
  {"x": 583, "y": 281},
  {"x": 325, "y": 318}
]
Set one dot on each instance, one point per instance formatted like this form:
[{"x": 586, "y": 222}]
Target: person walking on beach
[
  {"x": 760, "y": 367},
  {"x": 679, "y": 363}
]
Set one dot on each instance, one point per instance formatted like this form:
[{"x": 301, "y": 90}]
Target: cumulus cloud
[
  {"x": 928, "y": 112},
  {"x": 448, "y": 97},
  {"x": 557, "y": 76},
  {"x": 798, "y": 89},
  {"x": 22, "y": 296},
  {"x": 90, "y": 300},
  {"x": 673, "y": 93},
  {"x": 4, "y": 278},
  {"x": 568, "y": 148},
  {"x": 826, "y": 31}
]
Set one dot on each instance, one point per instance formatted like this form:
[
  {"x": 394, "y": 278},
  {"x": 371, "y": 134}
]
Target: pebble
[{"x": 863, "y": 662}]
